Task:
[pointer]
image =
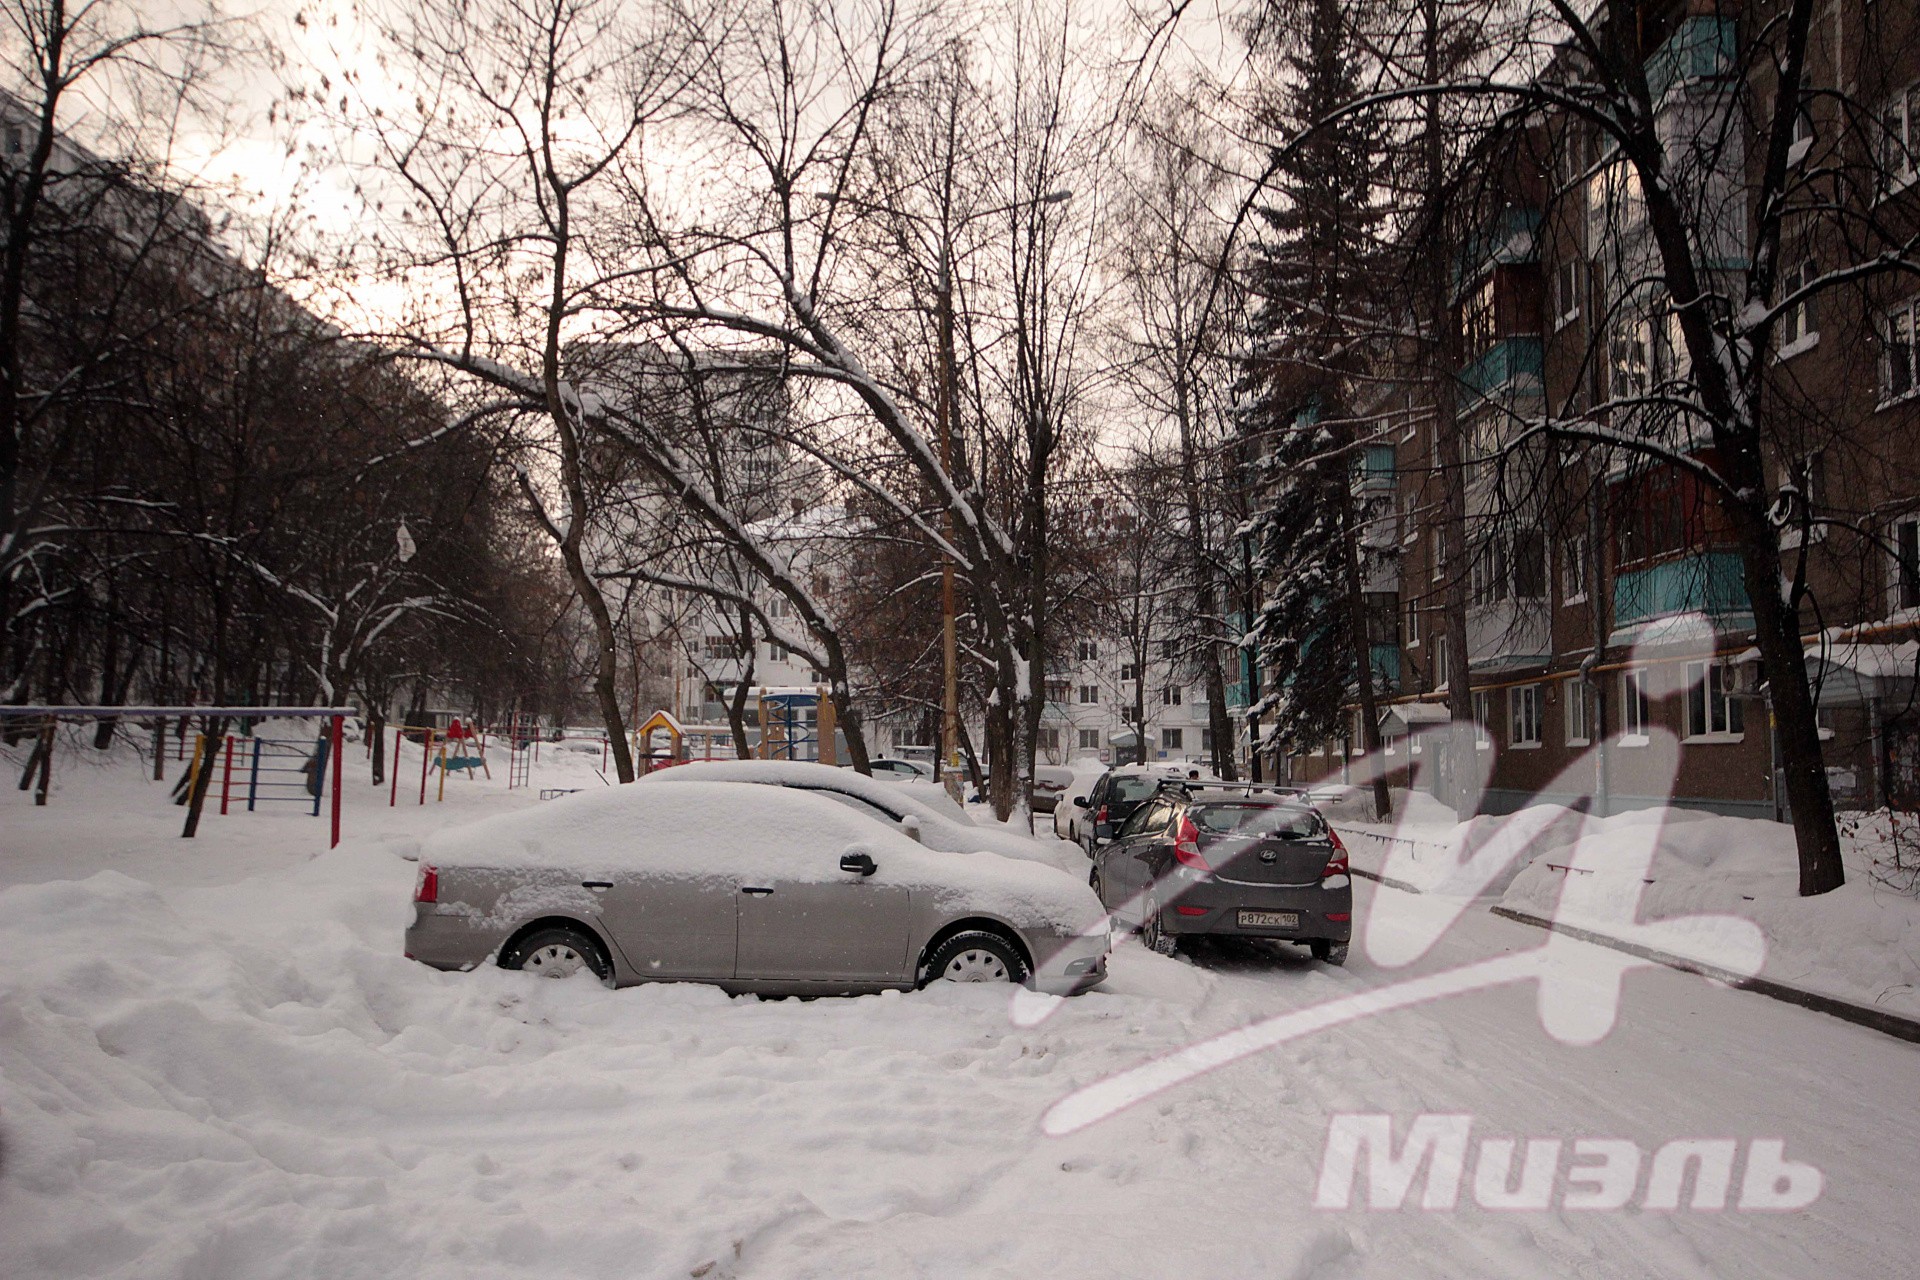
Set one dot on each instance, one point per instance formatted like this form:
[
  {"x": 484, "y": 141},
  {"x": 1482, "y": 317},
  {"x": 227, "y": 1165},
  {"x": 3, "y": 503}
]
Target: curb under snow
[{"x": 1896, "y": 1025}]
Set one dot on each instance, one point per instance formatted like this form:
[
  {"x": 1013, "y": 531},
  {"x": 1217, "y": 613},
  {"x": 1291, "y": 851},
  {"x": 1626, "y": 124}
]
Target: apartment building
[{"x": 1598, "y": 564}]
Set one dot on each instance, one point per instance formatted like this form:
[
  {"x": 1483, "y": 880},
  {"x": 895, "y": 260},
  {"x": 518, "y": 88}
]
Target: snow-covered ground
[
  {"x": 214, "y": 1062},
  {"x": 1859, "y": 943}
]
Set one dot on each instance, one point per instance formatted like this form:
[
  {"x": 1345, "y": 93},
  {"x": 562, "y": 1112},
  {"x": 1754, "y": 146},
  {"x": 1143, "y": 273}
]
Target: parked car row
[{"x": 783, "y": 877}]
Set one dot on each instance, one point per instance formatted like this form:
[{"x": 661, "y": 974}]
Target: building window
[
  {"x": 1906, "y": 564},
  {"x": 1206, "y": 739},
  {"x": 1523, "y": 716},
  {"x": 1171, "y": 739},
  {"x": 1089, "y": 739},
  {"x": 1412, "y": 624},
  {"x": 1896, "y": 352},
  {"x": 1089, "y": 694},
  {"x": 1629, "y": 360},
  {"x": 1900, "y": 136},
  {"x": 779, "y": 607},
  {"x": 1711, "y": 708},
  {"x": 1574, "y": 569},
  {"x": 1440, "y": 673},
  {"x": 1529, "y": 564},
  {"x": 1089, "y": 651},
  {"x": 1796, "y": 322},
  {"x": 1048, "y": 739},
  {"x": 777, "y": 652},
  {"x": 1170, "y": 696},
  {"x": 1487, "y": 576},
  {"x": 1633, "y": 704},
  {"x": 1579, "y": 696},
  {"x": 1129, "y": 671},
  {"x": 1483, "y": 718},
  {"x": 1056, "y": 691},
  {"x": 721, "y": 648},
  {"x": 1566, "y": 293}
]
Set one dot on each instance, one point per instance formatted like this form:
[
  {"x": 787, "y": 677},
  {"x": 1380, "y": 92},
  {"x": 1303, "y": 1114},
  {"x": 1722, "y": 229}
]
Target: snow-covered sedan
[
  {"x": 754, "y": 888},
  {"x": 921, "y": 810}
]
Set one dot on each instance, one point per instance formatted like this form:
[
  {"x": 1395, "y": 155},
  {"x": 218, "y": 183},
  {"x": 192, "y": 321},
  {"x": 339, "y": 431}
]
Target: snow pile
[{"x": 1860, "y": 943}]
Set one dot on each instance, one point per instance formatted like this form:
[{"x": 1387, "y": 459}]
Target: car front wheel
[
  {"x": 557, "y": 953},
  {"x": 974, "y": 956}
]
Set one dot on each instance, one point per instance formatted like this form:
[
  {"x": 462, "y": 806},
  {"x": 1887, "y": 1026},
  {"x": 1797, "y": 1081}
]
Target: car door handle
[
  {"x": 755, "y": 890},
  {"x": 596, "y": 884}
]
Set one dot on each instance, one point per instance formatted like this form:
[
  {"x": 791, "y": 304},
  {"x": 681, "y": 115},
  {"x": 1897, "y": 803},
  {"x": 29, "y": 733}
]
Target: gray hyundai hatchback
[{"x": 1198, "y": 860}]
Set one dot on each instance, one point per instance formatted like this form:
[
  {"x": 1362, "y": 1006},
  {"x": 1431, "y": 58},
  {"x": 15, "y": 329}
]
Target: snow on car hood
[{"x": 703, "y": 828}]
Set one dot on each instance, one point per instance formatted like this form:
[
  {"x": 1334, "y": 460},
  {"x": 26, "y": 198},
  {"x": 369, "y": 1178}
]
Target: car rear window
[
  {"x": 1286, "y": 821},
  {"x": 1126, "y": 790}
]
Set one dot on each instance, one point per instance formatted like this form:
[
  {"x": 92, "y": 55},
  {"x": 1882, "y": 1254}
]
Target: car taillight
[
  {"x": 1186, "y": 845},
  {"x": 1337, "y": 864},
  {"x": 427, "y": 887},
  {"x": 1101, "y": 816}
]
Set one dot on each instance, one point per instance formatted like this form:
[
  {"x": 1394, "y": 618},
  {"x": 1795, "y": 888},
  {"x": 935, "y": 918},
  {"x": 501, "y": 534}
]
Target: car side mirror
[
  {"x": 1079, "y": 800},
  {"x": 858, "y": 862},
  {"x": 910, "y": 826}
]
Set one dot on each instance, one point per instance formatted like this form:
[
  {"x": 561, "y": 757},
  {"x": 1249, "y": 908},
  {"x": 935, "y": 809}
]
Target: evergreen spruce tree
[{"x": 1314, "y": 274}]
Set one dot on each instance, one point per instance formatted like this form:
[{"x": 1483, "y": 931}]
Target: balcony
[
  {"x": 1709, "y": 582},
  {"x": 1509, "y": 634},
  {"x": 1386, "y": 667},
  {"x": 1510, "y": 367},
  {"x": 1703, "y": 48}
]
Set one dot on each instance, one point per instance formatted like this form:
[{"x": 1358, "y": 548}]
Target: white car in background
[
  {"x": 1071, "y": 810},
  {"x": 920, "y": 809},
  {"x": 898, "y": 770}
]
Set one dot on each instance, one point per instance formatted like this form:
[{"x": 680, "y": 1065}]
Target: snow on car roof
[
  {"x": 921, "y": 798},
  {"x": 699, "y": 827}
]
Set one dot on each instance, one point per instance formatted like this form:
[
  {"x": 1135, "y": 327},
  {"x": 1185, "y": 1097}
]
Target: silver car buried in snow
[{"x": 754, "y": 888}]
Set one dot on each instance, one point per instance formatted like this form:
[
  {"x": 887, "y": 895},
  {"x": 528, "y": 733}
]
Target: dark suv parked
[
  {"x": 1120, "y": 791},
  {"x": 1197, "y": 859}
]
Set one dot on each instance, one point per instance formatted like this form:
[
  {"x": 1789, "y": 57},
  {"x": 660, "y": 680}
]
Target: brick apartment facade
[{"x": 1577, "y": 549}]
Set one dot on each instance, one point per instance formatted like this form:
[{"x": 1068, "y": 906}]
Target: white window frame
[
  {"x": 1172, "y": 739},
  {"x": 1441, "y": 674},
  {"x": 1904, "y": 570},
  {"x": 1089, "y": 695},
  {"x": 1897, "y": 324},
  {"x": 1566, "y": 293},
  {"x": 1579, "y": 711},
  {"x": 1483, "y": 719},
  {"x": 1576, "y": 562},
  {"x": 1636, "y": 707},
  {"x": 1412, "y": 624},
  {"x": 1900, "y": 132},
  {"x": 1089, "y": 740},
  {"x": 1170, "y": 695},
  {"x": 1795, "y": 332},
  {"x": 1523, "y": 717},
  {"x": 1711, "y": 708}
]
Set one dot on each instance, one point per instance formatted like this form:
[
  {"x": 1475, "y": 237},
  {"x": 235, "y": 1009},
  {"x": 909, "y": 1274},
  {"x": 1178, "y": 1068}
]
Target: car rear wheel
[
  {"x": 557, "y": 953},
  {"x": 1152, "y": 936},
  {"x": 975, "y": 956},
  {"x": 1330, "y": 951}
]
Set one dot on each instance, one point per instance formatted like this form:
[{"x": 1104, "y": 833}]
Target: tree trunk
[
  {"x": 377, "y": 726},
  {"x": 216, "y": 728},
  {"x": 1776, "y": 632},
  {"x": 1362, "y": 651}
]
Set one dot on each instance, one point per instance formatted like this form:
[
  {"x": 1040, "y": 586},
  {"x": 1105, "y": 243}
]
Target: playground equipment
[
  {"x": 205, "y": 752},
  {"x": 523, "y": 748},
  {"x": 646, "y": 758},
  {"x": 796, "y": 723}
]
